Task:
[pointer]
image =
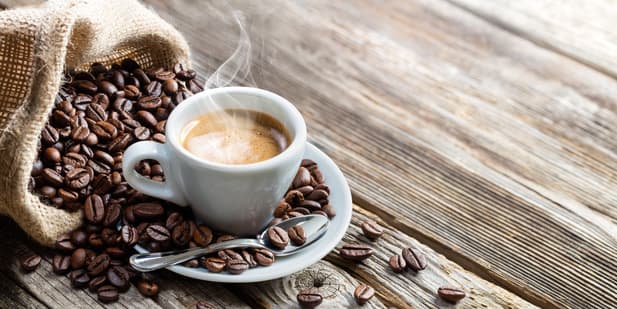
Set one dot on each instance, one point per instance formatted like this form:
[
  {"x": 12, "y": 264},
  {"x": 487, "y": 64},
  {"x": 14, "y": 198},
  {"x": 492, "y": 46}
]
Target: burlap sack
[{"x": 36, "y": 45}]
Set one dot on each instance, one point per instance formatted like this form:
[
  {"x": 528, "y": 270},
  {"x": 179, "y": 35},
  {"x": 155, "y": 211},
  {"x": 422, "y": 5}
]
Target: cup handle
[{"x": 168, "y": 189}]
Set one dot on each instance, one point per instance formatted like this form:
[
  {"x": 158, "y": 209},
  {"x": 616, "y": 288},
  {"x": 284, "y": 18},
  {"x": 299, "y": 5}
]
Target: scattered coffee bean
[
  {"x": 415, "y": 259},
  {"x": 79, "y": 278},
  {"x": 118, "y": 277},
  {"x": 356, "y": 252},
  {"x": 309, "y": 298},
  {"x": 372, "y": 230},
  {"x": 302, "y": 178},
  {"x": 363, "y": 294},
  {"x": 147, "y": 288},
  {"x": 30, "y": 261},
  {"x": 397, "y": 263},
  {"x": 451, "y": 294},
  {"x": 278, "y": 237},
  {"x": 96, "y": 283},
  {"x": 61, "y": 264},
  {"x": 202, "y": 304},
  {"x": 297, "y": 235},
  {"x": 107, "y": 294}
]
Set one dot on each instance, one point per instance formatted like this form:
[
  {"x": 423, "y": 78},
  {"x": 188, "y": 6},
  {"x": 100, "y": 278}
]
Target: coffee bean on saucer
[
  {"x": 306, "y": 190},
  {"x": 328, "y": 209},
  {"x": 236, "y": 266},
  {"x": 451, "y": 294},
  {"x": 372, "y": 230},
  {"x": 229, "y": 254},
  {"x": 310, "y": 205},
  {"x": 61, "y": 264},
  {"x": 294, "y": 198},
  {"x": 355, "y": 252},
  {"x": 30, "y": 261},
  {"x": 249, "y": 258},
  {"x": 297, "y": 235},
  {"x": 278, "y": 237},
  {"x": 281, "y": 209},
  {"x": 194, "y": 263},
  {"x": 202, "y": 235},
  {"x": 302, "y": 178},
  {"x": 214, "y": 264},
  {"x": 415, "y": 259},
  {"x": 147, "y": 288},
  {"x": 107, "y": 294},
  {"x": 397, "y": 263},
  {"x": 316, "y": 195},
  {"x": 363, "y": 294},
  {"x": 264, "y": 257},
  {"x": 309, "y": 298}
]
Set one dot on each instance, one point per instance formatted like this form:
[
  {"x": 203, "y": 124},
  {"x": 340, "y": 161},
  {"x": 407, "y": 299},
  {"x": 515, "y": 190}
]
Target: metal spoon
[{"x": 314, "y": 227}]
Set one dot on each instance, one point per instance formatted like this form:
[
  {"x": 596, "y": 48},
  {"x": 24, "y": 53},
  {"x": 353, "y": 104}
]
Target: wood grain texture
[
  {"x": 491, "y": 149},
  {"x": 582, "y": 30}
]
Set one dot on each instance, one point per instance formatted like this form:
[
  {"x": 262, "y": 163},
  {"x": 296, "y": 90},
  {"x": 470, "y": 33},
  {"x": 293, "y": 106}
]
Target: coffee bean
[
  {"x": 281, "y": 209},
  {"x": 397, "y": 263},
  {"x": 48, "y": 191},
  {"x": 61, "y": 264},
  {"x": 236, "y": 266},
  {"x": 278, "y": 237},
  {"x": 101, "y": 99},
  {"x": 194, "y": 263},
  {"x": 356, "y": 252},
  {"x": 118, "y": 277},
  {"x": 78, "y": 258},
  {"x": 115, "y": 252},
  {"x": 149, "y": 103},
  {"x": 310, "y": 205},
  {"x": 52, "y": 155},
  {"x": 195, "y": 86},
  {"x": 78, "y": 178},
  {"x": 141, "y": 133},
  {"x": 49, "y": 135},
  {"x": 306, "y": 190},
  {"x": 30, "y": 261},
  {"x": 160, "y": 126},
  {"x": 143, "y": 168},
  {"x": 79, "y": 278},
  {"x": 371, "y": 230},
  {"x": 107, "y": 294},
  {"x": 318, "y": 176},
  {"x": 108, "y": 88},
  {"x": 132, "y": 91},
  {"x": 98, "y": 265},
  {"x": 302, "y": 178},
  {"x": 229, "y": 254},
  {"x": 96, "y": 112},
  {"x": 81, "y": 102},
  {"x": 181, "y": 234},
  {"x": 309, "y": 298},
  {"x": 79, "y": 134},
  {"x": 264, "y": 257},
  {"x": 164, "y": 75},
  {"x": 63, "y": 243},
  {"x": 157, "y": 232},
  {"x": 319, "y": 212},
  {"x": 116, "y": 177},
  {"x": 154, "y": 88},
  {"x": 159, "y": 138},
  {"x": 202, "y": 304},
  {"x": 294, "y": 198},
  {"x": 328, "y": 209},
  {"x": 170, "y": 87},
  {"x": 102, "y": 184},
  {"x": 415, "y": 259},
  {"x": 147, "y": 288},
  {"x": 52, "y": 177},
  {"x": 94, "y": 209},
  {"x": 129, "y": 235},
  {"x": 74, "y": 159},
  {"x": 214, "y": 264},
  {"x": 249, "y": 258},
  {"x": 173, "y": 220},
  {"x": 148, "y": 210},
  {"x": 450, "y": 293},
  {"x": 117, "y": 78},
  {"x": 95, "y": 240},
  {"x": 120, "y": 142},
  {"x": 297, "y": 235},
  {"x": 105, "y": 131},
  {"x": 79, "y": 238},
  {"x": 37, "y": 168},
  {"x": 186, "y": 75},
  {"x": 316, "y": 195},
  {"x": 202, "y": 235},
  {"x": 99, "y": 167},
  {"x": 109, "y": 237},
  {"x": 146, "y": 118},
  {"x": 96, "y": 283},
  {"x": 363, "y": 293}
]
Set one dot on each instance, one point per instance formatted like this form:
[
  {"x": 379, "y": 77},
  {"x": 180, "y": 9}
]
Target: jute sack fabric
[{"x": 37, "y": 44}]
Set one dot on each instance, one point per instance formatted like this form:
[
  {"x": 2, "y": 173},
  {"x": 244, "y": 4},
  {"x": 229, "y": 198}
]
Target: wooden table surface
[{"x": 482, "y": 132}]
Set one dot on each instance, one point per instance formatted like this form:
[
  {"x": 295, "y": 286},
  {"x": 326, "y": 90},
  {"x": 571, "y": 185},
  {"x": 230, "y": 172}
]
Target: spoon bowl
[{"x": 314, "y": 226}]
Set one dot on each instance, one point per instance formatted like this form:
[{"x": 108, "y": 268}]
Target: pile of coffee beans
[{"x": 97, "y": 115}]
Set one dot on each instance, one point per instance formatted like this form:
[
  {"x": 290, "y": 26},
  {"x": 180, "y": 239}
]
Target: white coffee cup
[{"x": 235, "y": 199}]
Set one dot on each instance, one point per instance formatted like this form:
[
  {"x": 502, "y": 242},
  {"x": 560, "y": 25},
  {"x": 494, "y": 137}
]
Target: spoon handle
[{"x": 152, "y": 261}]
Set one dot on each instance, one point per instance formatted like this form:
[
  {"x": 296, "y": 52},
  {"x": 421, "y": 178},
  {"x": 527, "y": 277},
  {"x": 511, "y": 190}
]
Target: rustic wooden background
[{"x": 484, "y": 132}]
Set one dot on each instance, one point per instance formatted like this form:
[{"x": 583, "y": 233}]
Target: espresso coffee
[{"x": 235, "y": 136}]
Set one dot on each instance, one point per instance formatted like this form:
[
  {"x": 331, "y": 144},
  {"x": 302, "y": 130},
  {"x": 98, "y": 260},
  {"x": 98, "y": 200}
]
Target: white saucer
[{"x": 340, "y": 199}]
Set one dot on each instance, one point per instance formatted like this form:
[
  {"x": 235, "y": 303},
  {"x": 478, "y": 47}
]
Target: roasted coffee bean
[
  {"x": 397, "y": 263},
  {"x": 328, "y": 209},
  {"x": 78, "y": 258},
  {"x": 94, "y": 209},
  {"x": 148, "y": 210},
  {"x": 79, "y": 238},
  {"x": 117, "y": 79},
  {"x": 95, "y": 240},
  {"x": 160, "y": 126},
  {"x": 146, "y": 118},
  {"x": 154, "y": 88},
  {"x": 186, "y": 75},
  {"x": 102, "y": 184},
  {"x": 159, "y": 138},
  {"x": 278, "y": 237},
  {"x": 294, "y": 197},
  {"x": 78, "y": 178},
  {"x": 104, "y": 157},
  {"x": 105, "y": 131},
  {"x": 101, "y": 99},
  {"x": 371, "y": 230},
  {"x": 229, "y": 254},
  {"x": 214, "y": 264},
  {"x": 194, "y": 86},
  {"x": 79, "y": 278},
  {"x": 120, "y": 142},
  {"x": 61, "y": 264},
  {"x": 303, "y": 211},
  {"x": 149, "y": 103},
  {"x": 173, "y": 220},
  {"x": 310, "y": 205},
  {"x": 52, "y": 155},
  {"x": 129, "y": 235},
  {"x": 109, "y": 237},
  {"x": 318, "y": 176},
  {"x": 249, "y": 258},
  {"x": 450, "y": 293},
  {"x": 96, "y": 283},
  {"x": 170, "y": 87},
  {"x": 194, "y": 263},
  {"x": 356, "y": 252},
  {"x": 281, "y": 209},
  {"x": 202, "y": 304},
  {"x": 363, "y": 293},
  {"x": 61, "y": 119},
  {"x": 37, "y": 168},
  {"x": 156, "y": 170},
  {"x": 81, "y": 102},
  {"x": 116, "y": 178},
  {"x": 302, "y": 178},
  {"x": 141, "y": 133},
  {"x": 48, "y": 191},
  {"x": 115, "y": 252},
  {"x": 118, "y": 277},
  {"x": 63, "y": 243},
  {"x": 320, "y": 212},
  {"x": 147, "y": 288},
  {"x": 415, "y": 259},
  {"x": 202, "y": 235},
  {"x": 157, "y": 232},
  {"x": 99, "y": 167},
  {"x": 129, "y": 65},
  {"x": 316, "y": 195},
  {"x": 132, "y": 91},
  {"x": 264, "y": 257},
  {"x": 98, "y": 265},
  {"x": 49, "y": 135},
  {"x": 143, "y": 168},
  {"x": 164, "y": 75},
  {"x": 181, "y": 234},
  {"x": 108, "y": 88},
  {"x": 123, "y": 105},
  {"x": 74, "y": 159},
  {"x": 79, "y": 134},
  {"x": 297, "y": 235},
  {"x": 30, "y": 261},
  {"x": 52, "y": 177},
  {"x": 112, "y": 214},
  {"x": 305, "y": 190},
  {"x": 107, "y": 294},
  {"x": 309, "y": 298},
  {"x": 96, "y": 112},
  {"x": 236, "y": 266}
]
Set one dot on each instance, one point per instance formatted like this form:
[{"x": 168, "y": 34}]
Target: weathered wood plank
[
  {"x": 494, "y": 151},
  {"x": 583, "y": 30},
  {"x": 56, "y": 291},
  {"x": 13, "y": 296}
]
